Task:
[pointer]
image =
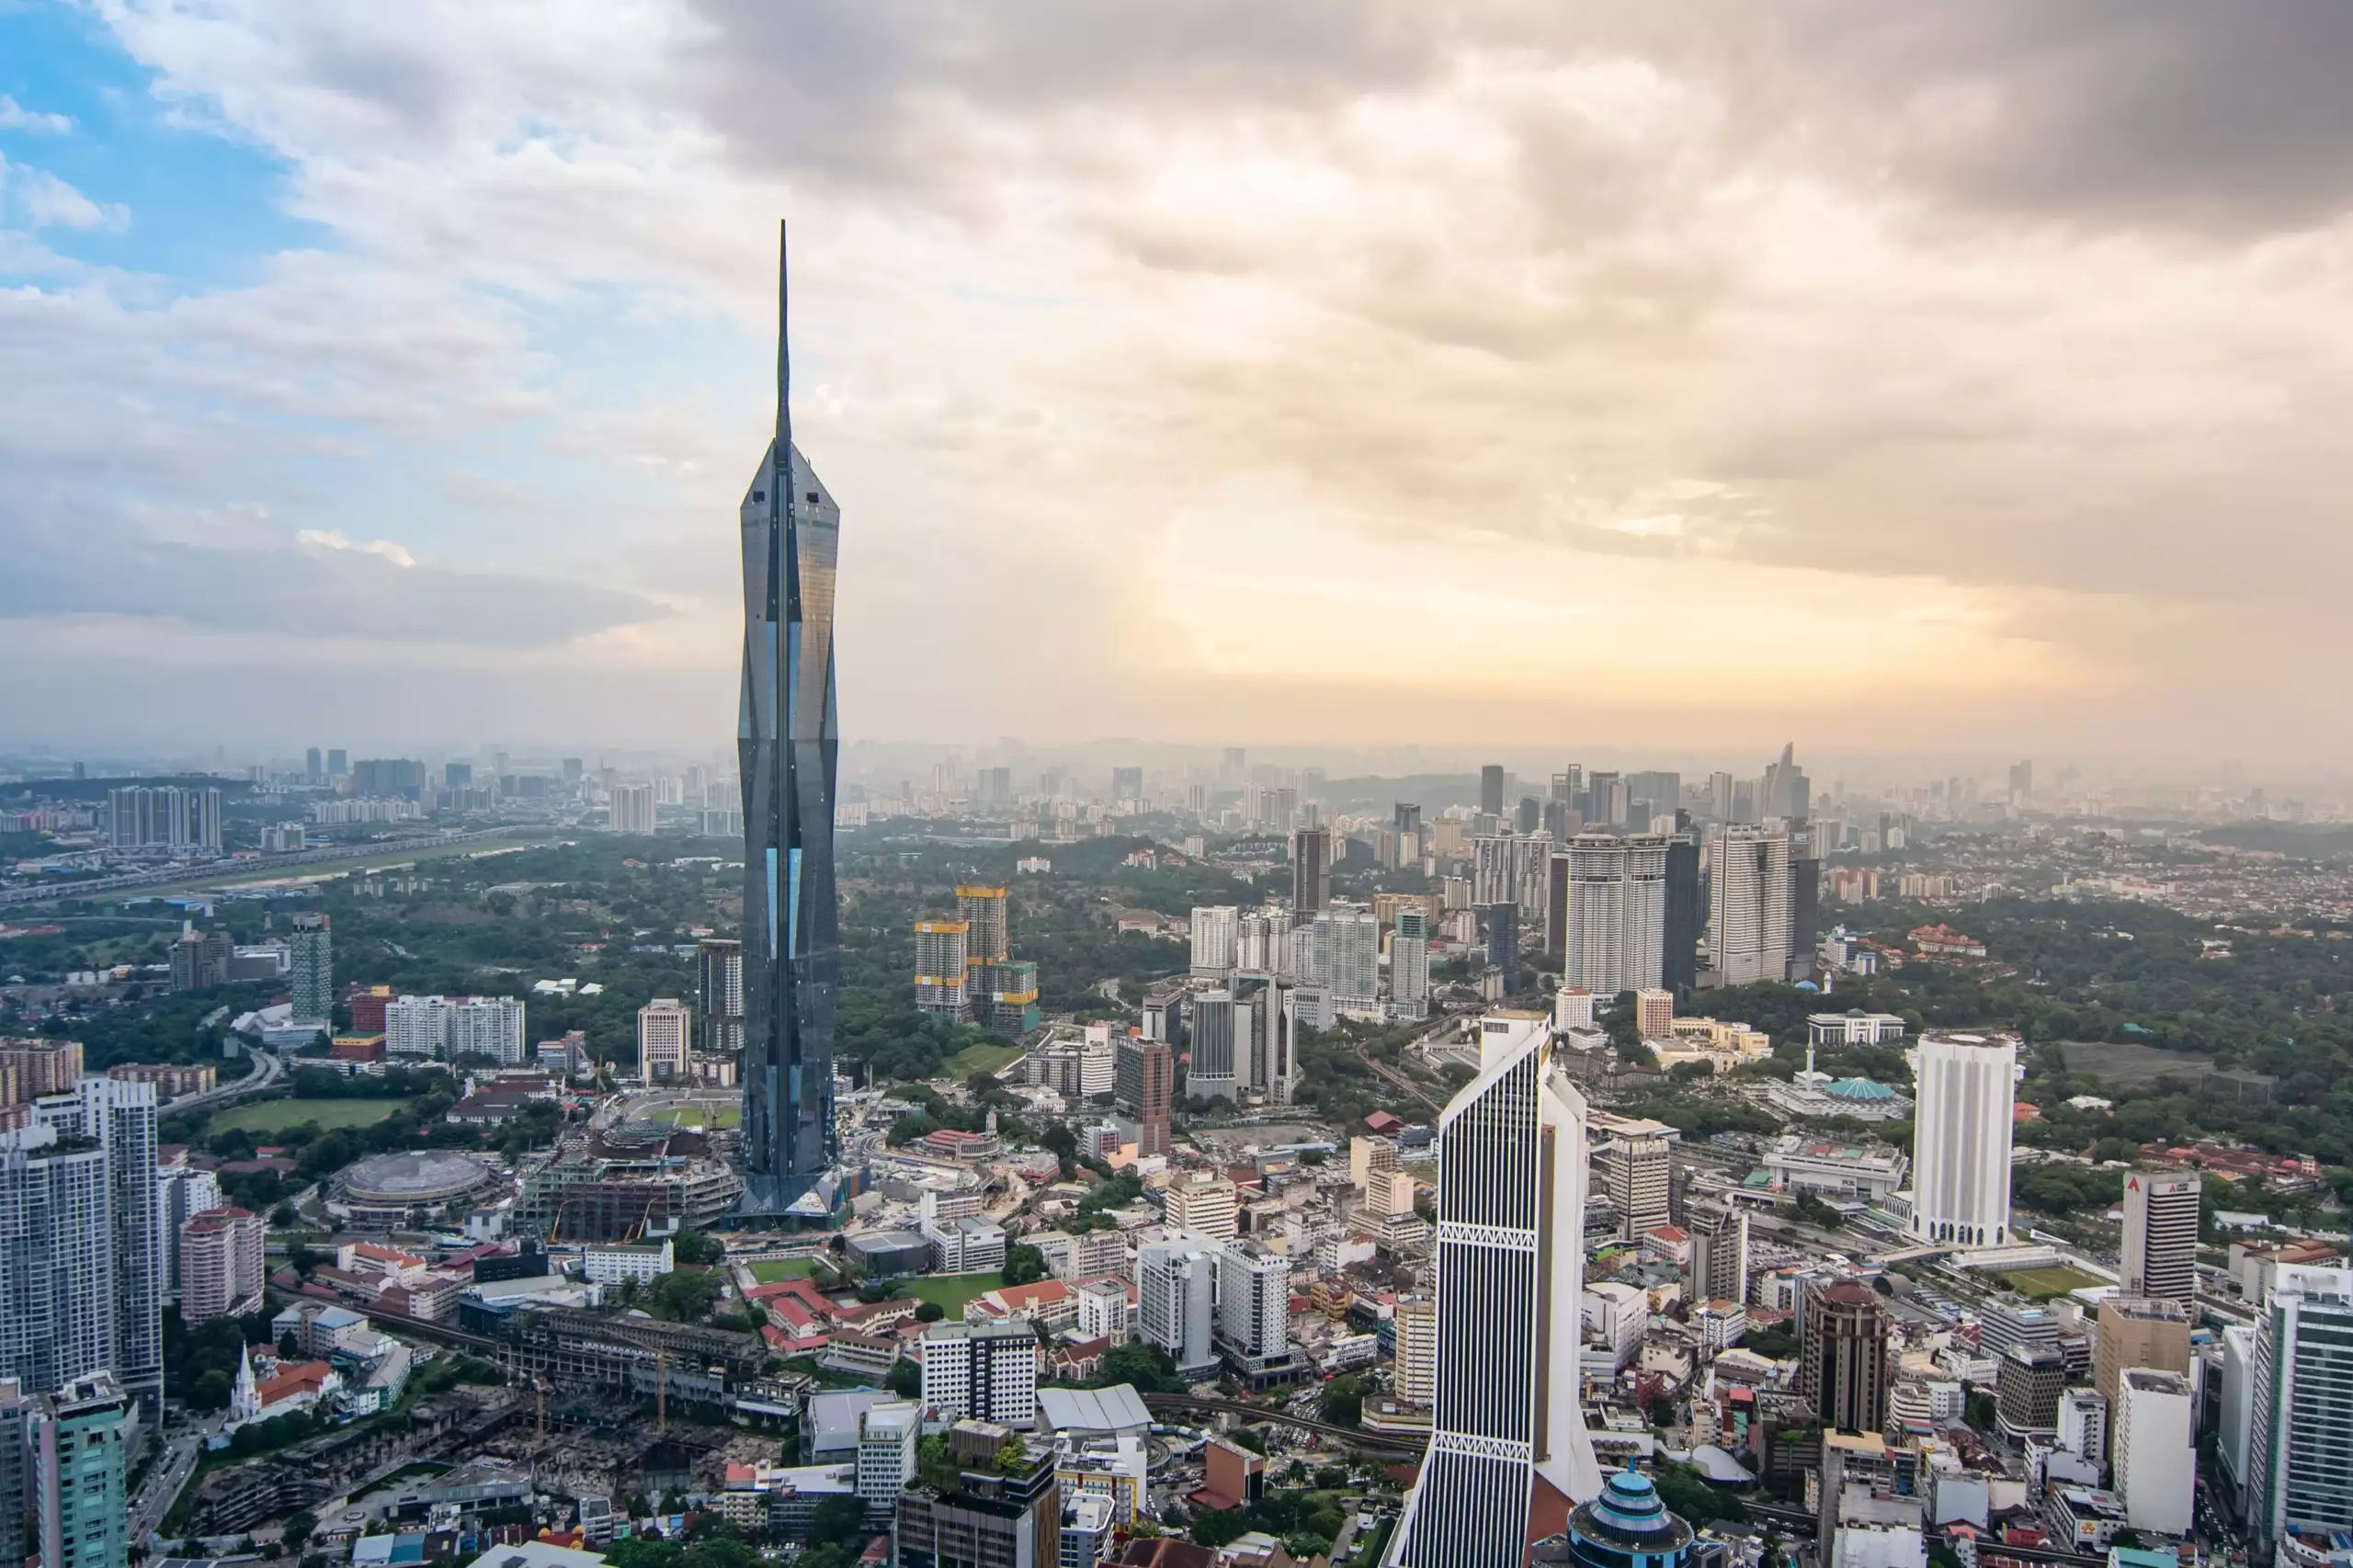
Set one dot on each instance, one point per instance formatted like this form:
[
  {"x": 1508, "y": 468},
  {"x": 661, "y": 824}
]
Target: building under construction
[{"x": 624, "y": 1183}]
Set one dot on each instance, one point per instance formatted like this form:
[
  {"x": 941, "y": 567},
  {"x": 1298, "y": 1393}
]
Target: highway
[
  {"x": 1353, "y": 1437},
  {"x": 270, "y": 1070},
  {"x": 164, "y": 1478}
]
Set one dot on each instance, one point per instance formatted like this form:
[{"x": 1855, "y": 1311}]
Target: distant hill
[{"x": 2315, "y": 840}]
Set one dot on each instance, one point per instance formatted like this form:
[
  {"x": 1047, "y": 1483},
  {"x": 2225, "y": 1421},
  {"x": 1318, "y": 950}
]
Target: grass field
[
  {"x": 276, "y": 1116},
  {"x": 952, "y": 1290},
  {"x": 983, "y": 1059},
  {"x": 767, "y": 1271},
  {"x": 2041, "y": 1284},
  {"x": 711, "y": 1116}
]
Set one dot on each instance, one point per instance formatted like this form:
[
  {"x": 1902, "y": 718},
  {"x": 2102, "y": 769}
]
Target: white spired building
[
  {"x": 1960, "y": 1140},
  {"x": 1509, "y": 1455}
]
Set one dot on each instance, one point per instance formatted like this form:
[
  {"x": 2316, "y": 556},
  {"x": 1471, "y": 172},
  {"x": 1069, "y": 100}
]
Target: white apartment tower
[
  {"x": 1253, "y": 1301},
  {"x": 1176, "y": 1302},
  {"x": 985, "y": 1370},
  {"x": 2296, "y": 1474},
  {"x": 1216, "y": 928},
  {"x": 1617, "y": 913},
  {"x": 1510, "y": 1278},
  {"x": 1347, "y": 958},
  {"x": 1960, "y": 1164},
  {"x": 2160, "y": 1235},
  {"x": 1750, "y": 904}
]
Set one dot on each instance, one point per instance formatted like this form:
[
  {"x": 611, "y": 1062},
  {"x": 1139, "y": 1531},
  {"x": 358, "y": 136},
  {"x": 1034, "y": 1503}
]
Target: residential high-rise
[
  {"x": 1508, "y": 1446},
  {"x": 2139, "y": 1331},
  {"x": 1503, "y": 937},
  {"x": 1617, "y": 913},
  {"x": 984, "y": 1370},
  {"x": 80, "y": 1467},
  {"x": 1311, "y": 872},
  {"x": 1491, "y": 790},
  {"x": 2297, "y": 1478},
  {"x": 1634, "y": 1170},
  {"x": 665, "y": 1032},
  {"x": 1215, "y": 930},
  {"x": 220, "y": 1265},
  {"x": 338, "y": 763},
  {"x": 1960, "y": 1141},
  {"x": 56, "y": 1266},
  {"x": 40, "y": 1067},
  {"x": 1127, "y": 784},
  {"x": 117, "y": 1117},
  {"x": 1176, "y": 1302},
  {"x": 165, "y": 816},
  {"x": 1750, "y": 905},
  {"x": 1348, "y": 958},
  {"x": 2160, "y": 1235},
  {"x": 1842, "y": 1368},
  {"x": 200, "y": 960},
  {"x": 446, "y": 1027},
  {"x": 181, "y": 1193},
  {"x": 942, "y": 986},
  {"x": 631, "y": 808},
  {"x": 789, "y": 741},
  {"x": 719, "y": 995},
  {"x": 988, "y": 933},
  {"x": 1409, "y": 966},
  {"x": 314, "y": 769},
  {"x": 311, "y": 951},
  {"x": 1212, "y": 1074},
  {"x": 18, "y": 1411}
]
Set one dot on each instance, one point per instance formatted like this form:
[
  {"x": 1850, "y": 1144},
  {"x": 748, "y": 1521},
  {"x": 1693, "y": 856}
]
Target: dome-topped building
[{"x": 1626, "y": 1527}]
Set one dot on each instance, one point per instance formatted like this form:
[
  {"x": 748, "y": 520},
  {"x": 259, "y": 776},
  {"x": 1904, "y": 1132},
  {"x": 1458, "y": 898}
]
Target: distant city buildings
[
  {"x": 665, "y": 1040},
  {"x": 445, "y": 1028}
]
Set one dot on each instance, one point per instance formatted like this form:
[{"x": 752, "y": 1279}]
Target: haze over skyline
[{"x": 1938, "y": 383}]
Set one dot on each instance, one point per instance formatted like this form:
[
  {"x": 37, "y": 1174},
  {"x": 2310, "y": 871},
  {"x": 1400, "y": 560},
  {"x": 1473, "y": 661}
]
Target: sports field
[
  {"x": 2041, "y": 1284},
  {"x": 983, "y": 1059},
  {"x": 767, "y": 1271},
  {"x": 710, "y": 1118},
  {"x": 952, "y": 1290},
  {"x": 276, "y": 1116}
]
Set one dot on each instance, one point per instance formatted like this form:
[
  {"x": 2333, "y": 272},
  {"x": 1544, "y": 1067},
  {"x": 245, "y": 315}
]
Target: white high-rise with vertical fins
[{"x": 1508, "y": 1445}]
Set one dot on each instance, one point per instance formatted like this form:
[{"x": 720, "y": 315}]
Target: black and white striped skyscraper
[{"x": 1509, "y": 1455}]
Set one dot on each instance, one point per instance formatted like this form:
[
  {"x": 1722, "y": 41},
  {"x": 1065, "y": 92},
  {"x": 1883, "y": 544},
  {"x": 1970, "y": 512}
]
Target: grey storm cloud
[{"x": 319, "y": 590}]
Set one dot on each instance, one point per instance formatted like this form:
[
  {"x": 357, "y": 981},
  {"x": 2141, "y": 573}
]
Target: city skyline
[{"x": 1642, "y": 273}]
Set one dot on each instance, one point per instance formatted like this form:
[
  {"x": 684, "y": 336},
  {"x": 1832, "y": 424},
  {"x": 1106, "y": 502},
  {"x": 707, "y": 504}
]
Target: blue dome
[
  {"x": 1630, "y": 1502},
  {"x": 1861, "y": 1090}
]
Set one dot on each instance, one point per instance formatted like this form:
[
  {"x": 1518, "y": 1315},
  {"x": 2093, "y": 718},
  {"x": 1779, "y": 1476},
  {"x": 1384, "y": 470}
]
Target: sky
[{"x": 1358, "y": 372}]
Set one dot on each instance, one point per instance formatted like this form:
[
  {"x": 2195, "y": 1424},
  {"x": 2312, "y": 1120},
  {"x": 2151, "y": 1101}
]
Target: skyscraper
[
  {"x": 1750, "y": 905},
  {"x": 942, "y": 967},
  {"x": 1176, "y": 1302},
  {"x": 80, "y": 1467},
  {"x": 1785, "y": 792},
  {"x": 1127, "y": 784},
  {"x": 313, "y": 767},
  {"x": 1687, "y": 917},
  {"x": 665, "y": 1036},
  {"x": 1212, "y": 1074},
  {"x": 1634, "y": 1173},
  {"x": 1961, "y": 1171},
  {"x": 1215, "y": 928},
  {"x": 1347, "y": 958},
  {"x": 338, "y": 762},
  {"x": 1491, "y": 790},
  {"x": 988, "y": 934},
  {"x": 2160, "y": 1235},
  {"x": 1508, "y": 1445},
  {"x": 312, "y": 955},
  {"x": 1842, "y": 1367},
  {"x": 1311, "y": 872},
  {"x": 1409, "y": 965},
  {"x": 1617, "y": 913},
  {"x": 2297, "y": 1477},
  {"x": 719, "y": 995},
  {"x": 788, "y": 746},
  {"x": 631, "y": 808},
  {"x": 18, "y": 1411}
]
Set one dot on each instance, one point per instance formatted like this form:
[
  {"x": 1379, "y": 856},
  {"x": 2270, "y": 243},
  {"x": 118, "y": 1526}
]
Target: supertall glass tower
[{"x": 788, "y": 741}]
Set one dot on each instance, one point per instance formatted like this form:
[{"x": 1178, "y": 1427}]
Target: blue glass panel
[
  {"x": 793, "y": 902},
  {"x": 796, "y": 870}
]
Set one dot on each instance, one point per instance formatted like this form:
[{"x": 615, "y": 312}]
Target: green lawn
[
  {"x": 2041, "y": 1284},
  {"x": 276, "y": 1116},
  {"x": 952, "y": 1290},
  {"x": 712, "y": 1118},
  {"x": 983, "y": 1059},
  {"x": 767, "y": 1271}
]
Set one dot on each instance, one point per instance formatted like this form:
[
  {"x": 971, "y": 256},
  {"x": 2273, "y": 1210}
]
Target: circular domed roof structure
[
  {"x": 426, "y": 1178},
  {"x": 1628, "y": 1527}
]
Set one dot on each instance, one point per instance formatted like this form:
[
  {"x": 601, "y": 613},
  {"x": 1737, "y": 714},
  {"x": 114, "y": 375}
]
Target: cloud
[
  {"x": 40, "y": 199},
  {"x": 14, "y": 116},
  {"x": 327, "y": 588},
  {"x": 2029, "y": 326}
]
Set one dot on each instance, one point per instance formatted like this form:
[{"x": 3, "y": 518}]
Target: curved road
[{"x": 271, "y": 1069}]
